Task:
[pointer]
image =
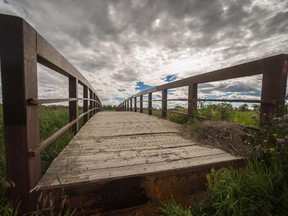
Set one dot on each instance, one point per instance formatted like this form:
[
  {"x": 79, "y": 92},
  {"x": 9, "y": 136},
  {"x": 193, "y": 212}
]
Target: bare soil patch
[{"x": 227, "y": 136}]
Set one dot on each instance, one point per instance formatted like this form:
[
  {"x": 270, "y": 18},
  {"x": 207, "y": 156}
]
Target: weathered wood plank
[
  {"x": 91, "y": 163},
  {"x": 135, "y": 170}
]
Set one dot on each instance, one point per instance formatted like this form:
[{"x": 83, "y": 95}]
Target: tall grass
[
  {"x": 51, "y": 119},
  {"x": 259, "y": 189}
]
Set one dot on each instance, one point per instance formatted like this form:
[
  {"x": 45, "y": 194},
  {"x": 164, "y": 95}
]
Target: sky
[{"x": 126, "y": 46}]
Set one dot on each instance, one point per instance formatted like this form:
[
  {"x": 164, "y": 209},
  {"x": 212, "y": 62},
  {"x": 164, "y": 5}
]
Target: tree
[{"x": 243, "y": 108}]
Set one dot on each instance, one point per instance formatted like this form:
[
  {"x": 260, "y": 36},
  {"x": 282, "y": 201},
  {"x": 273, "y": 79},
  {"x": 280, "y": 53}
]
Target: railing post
[
  {"x": 73, "y": 105},
  {"x": 274, "y": 83},
  {"x": 18, "y": 53},
  {"x": 192, "y": 99},
  {"x": 95, "y": 103},
  {"x": 85, "y": 103},
  {"x": 90, "y": 103},
  {"x": 135, "y": 104},
  {"x": 150, "y": 103},
  {"x": 164, "y": 103},
  {"x": 141, "y": 103},
  {"x": 131, "y": 105}
]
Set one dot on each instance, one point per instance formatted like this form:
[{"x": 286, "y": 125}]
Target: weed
[
  {"x": 171, "y": 208},
  {"x": 178, "y": 118},
  {"x": 51, "y": 119}
]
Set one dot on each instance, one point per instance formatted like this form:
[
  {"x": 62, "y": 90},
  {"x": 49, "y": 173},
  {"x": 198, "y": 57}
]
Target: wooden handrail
[
  {"x": 34, "y": 101},
  {"x": 57, "y": 134},
  {"x": 21, "y": 48},
  {"x": 274, "y": 81}
]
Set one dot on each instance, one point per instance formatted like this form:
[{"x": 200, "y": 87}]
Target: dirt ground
[{"x": 227, "y": 136}]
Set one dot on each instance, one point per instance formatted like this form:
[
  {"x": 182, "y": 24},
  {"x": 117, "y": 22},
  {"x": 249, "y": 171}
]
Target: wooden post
[
  {"x": 85, "y": 103},
  {"x": 274, "y": 84},
  {"x": 164, "y": 103},
  {"x": 95, "y": 103},
  {"x": 131, "y": 105},
  {"x": 135, "y": 104},
  {"x": 141, "y": 103},
  {"x": 90, "y": 102},
  {"x": 73, "y": 105},
  {"x": 18, "y": 51},
  {"x": 192, "y": 100},
  {"x": 150, "y": 103}
]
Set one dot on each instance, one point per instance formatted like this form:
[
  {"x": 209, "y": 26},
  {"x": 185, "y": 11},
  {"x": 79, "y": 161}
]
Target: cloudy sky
[{"x": 125, "y": 46}]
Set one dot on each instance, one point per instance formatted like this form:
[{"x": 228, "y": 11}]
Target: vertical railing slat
[
  {"x": 274, "y": 83},
  {"x": 164, "y": 103},
  {"x": 192, "y": 99},
  {"x": 73, "y": 105},
  {"x": 150, "y": 103},
  {"x": 135, "y": 104},
  {"x": 141, "y": 103},
  {"x": 85, "y": 103}
]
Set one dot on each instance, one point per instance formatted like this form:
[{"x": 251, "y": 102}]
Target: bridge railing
[
  {"x": 274, "y": 81},
  {"x": 21, "y": 47}
]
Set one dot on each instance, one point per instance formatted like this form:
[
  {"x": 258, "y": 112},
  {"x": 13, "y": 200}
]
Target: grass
[
  {"x": 51, "y": 119},
  {"x": 222, "y": 111},
  {"x": 170, "y": 207},
  {"x": 259, "y": 189}
]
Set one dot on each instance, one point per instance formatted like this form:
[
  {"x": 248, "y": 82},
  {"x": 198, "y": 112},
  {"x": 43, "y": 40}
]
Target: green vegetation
[
  {"x": 51, "y": 119},
  {"x": 170, "y": 207},
  {"x": 221, "y": 111},
  {"x": 225, "y": 111},
  {"x": 109, "y": 108},
  {"x": 259, "y": 189}
]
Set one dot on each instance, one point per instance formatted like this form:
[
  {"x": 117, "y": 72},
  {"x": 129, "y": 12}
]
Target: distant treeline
[{"x": 109, "y": 107}]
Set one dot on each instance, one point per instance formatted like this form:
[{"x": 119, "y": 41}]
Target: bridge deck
[
  {"x": 128, "y": 160},
  {"x": 123, "y": 144}
]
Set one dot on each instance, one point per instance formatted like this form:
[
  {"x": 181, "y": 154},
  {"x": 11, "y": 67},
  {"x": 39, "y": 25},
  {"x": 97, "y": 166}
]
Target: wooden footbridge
[{"x": 117, "y": 160}]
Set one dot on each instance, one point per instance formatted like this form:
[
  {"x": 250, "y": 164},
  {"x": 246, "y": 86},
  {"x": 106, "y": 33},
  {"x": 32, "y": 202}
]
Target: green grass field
[{"x": 255, "y": 177}]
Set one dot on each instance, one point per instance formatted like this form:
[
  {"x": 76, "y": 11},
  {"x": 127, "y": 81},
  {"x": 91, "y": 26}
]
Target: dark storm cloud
[{"x": 126, "y": 75}]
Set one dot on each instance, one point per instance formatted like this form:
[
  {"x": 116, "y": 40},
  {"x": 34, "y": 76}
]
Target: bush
[{"x": 221, "y": 111}]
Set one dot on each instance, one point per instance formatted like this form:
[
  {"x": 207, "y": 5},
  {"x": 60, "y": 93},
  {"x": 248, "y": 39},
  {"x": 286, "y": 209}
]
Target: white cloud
[{"x": 115, "y": 44}]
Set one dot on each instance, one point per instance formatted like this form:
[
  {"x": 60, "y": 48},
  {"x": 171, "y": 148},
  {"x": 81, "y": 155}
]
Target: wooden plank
[
  {"x": 68, "y": 179},
  {"x": 110, "y": 159}
]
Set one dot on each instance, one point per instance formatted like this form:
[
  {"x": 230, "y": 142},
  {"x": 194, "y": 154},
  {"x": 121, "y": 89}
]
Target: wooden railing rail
[
  {"x": 21, "y": 47},
  {"x": 274, "y": 81}
]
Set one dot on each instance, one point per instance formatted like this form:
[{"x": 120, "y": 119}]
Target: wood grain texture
[{"x": 113, "y": 145}]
